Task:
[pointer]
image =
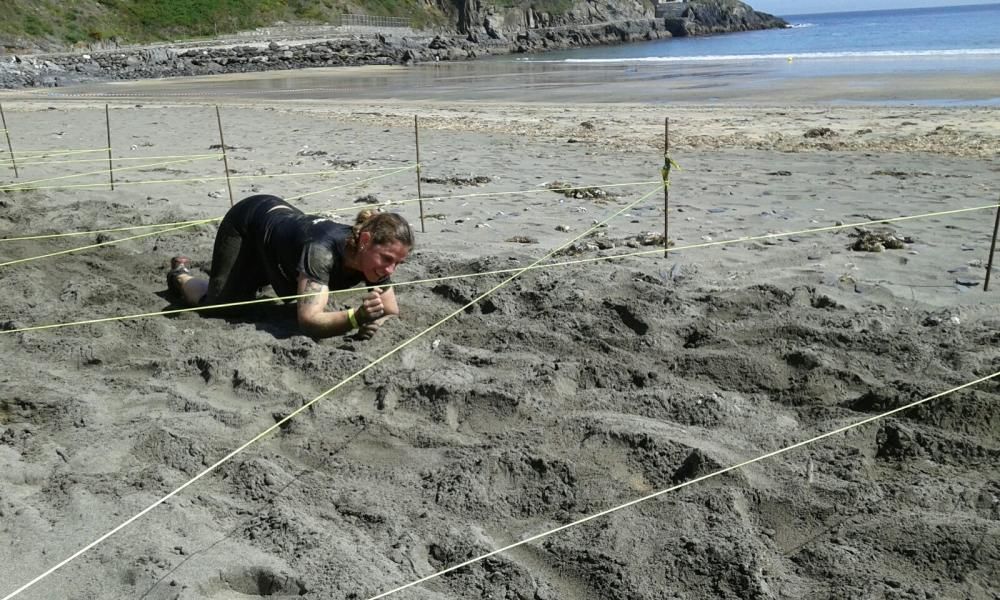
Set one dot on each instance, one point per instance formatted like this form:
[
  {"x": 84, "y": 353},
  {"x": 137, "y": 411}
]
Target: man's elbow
[{"x": 309, "y": 326}]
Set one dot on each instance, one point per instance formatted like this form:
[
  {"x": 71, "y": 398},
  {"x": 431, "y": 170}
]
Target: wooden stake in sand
[
  {"x": 420, "y": 196},
  {"x": 993, "y": 246},
  {"x": 111, "y": 166},
  {"x": 666, "y": 183},
  {"x": 3, "y": 122},
  {"x": 225, "y": 159}
]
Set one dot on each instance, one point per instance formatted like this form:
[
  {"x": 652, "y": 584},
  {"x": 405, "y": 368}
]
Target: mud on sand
[{"x": 571, "y": 390}]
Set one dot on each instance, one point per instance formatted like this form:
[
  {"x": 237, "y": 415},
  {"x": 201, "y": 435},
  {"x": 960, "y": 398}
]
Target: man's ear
[{"x": 364, "y": 238}]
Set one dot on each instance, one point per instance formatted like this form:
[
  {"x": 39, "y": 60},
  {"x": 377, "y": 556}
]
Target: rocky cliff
[
  {"x": 481, "y": 27},
  {"x": 501, "y": 18},
  {"x": 719, "y": 16},
  {"x": 683, "y": 18}
]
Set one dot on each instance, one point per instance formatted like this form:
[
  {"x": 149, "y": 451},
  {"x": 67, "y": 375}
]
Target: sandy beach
[
  {"x": 567, "y": 391},
  {"x": 938, "y": 81}
]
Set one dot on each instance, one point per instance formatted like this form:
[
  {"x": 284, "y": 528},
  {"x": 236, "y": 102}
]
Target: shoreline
[{"x": 891, "y": 82}]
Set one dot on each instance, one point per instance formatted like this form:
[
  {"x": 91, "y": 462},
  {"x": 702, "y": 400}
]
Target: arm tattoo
[{"x": 311, "y": 288}]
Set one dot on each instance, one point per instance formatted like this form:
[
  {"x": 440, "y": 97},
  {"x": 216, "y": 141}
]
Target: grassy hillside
[
  {"x": 55, "y": 24},
  {"x": 66, "y": 22}
]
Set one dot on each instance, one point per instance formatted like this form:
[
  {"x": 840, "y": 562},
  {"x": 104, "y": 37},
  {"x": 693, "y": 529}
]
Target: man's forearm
[{"x": 324, "y": 323}]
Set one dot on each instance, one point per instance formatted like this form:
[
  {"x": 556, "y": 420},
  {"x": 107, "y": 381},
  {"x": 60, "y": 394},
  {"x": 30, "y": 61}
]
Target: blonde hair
[{"x": 384, "y": 227}]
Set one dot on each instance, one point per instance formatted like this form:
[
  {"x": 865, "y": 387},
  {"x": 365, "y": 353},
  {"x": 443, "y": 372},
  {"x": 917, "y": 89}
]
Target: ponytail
[{"x": 385, "y": 228}]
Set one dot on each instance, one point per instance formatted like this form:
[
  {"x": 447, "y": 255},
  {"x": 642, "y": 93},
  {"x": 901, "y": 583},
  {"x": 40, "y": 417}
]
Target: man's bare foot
[{"x": 179, "y": 266}]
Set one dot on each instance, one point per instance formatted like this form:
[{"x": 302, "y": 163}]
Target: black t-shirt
[{"x": 291, "y": 242}]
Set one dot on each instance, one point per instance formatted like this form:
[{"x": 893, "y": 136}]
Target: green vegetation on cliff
[
  {"x": 62, "y": 22},
  {"x": 54, "y": 23},
  {"x": 49, "y": 25}
]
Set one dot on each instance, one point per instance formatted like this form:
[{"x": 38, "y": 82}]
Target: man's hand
[
  {"x": 371, "y": 308},
  {"x": 366, "y": 331}
]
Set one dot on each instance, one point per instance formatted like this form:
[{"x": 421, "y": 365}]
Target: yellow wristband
[{"x": 350, "y": 317}]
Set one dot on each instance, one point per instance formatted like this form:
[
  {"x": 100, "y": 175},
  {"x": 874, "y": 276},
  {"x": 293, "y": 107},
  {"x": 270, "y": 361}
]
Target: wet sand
[
  {"x": 915, "y": 80},
  {"x": 568, "y": 391}
]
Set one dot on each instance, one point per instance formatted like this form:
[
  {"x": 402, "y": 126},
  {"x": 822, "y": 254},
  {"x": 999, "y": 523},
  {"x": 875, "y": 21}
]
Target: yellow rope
[
  {"x": 95, "y": 231},
  {"x": 538, "y": 191},
  {"x": 306, "y": 406},
  {"x": 188, "y": 309},
  {"x": 41, "y": 153},
  {"x": 330, "y": 172},
  {"x": 334, "y": 210},
  {"x": 25, "y": 186},
  {"x": 185, "y": 225},
  {"x": 337, "y": 187},
  {"x": 108, "y": 243},
  {"x": 690, "y": 482},
  {"x": 189, "y": 180},
  {"x": 805, "y": 231},
  {"x": 579, "y": 261},
  {"x": 33, "y": 162}
]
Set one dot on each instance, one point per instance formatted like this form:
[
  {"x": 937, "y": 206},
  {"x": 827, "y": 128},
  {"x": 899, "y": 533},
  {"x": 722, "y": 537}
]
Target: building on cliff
[{"x": 669, "y": 8}]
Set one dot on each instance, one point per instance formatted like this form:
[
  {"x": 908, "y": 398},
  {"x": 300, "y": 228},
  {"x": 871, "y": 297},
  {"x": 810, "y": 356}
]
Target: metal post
[
  {"x": 3, "y": 121},
  {"x": 666, "y": 184},
  {"x": 111, "y": 167},
  {"x": 420, "y": 197},
  {"x": 993, "y": 245},
  {"x": 225, "y": 159}
]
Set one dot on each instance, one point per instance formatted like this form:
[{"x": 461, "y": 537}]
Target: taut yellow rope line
[
  {"x": 185, "y": 225},
  {"x": 337, "y": 187},
  {"x": 685, "y": 484},
  {"x": 108, "y": 243},
  {"x": 32, "y": 154},
  {"x": 309, "y": 404},
  {"x": 335, "y": 210},
  {"x": 176, "y": 311},
  {"x": 29, "y": 186},
  {"x": 658, "y": 252},
  {"x": 191, "y": 179},
  {"x": 536, "y": 191},
  {"x": 49, "y": 236},
  {"x": 32, "y": 161}
]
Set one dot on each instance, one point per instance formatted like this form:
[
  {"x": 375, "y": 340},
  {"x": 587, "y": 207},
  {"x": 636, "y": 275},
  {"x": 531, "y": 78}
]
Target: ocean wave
[
  {"x": 964, "y": 52},
  {"x": 800, "y": 25}
]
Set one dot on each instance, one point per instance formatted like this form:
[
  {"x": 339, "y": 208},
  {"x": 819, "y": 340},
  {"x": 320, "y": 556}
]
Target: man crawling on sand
[{"x": 265, "y": 240}]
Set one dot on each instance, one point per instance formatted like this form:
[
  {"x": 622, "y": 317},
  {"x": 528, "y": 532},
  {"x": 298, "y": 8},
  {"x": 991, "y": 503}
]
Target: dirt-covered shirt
[{"x": 290, "y": 242}]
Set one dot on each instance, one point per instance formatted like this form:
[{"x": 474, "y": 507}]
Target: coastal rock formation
[
  {"x": 482, "y": 28},
  {"x": 718, "y": 16},
  {"x": 682, "y": 18},
  {"x": 499, "y": 19}
]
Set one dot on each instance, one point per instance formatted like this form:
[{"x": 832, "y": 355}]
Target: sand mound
[{"x": 567, "y": 392}]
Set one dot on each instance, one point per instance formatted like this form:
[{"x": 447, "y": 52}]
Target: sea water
[
  {"x": 947, "y": 56},
  {"x": 961, "y": 38}
]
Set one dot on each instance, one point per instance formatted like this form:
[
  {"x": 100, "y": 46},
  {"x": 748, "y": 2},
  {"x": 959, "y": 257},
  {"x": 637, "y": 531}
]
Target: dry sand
[{"x": 566, "y": 392}]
